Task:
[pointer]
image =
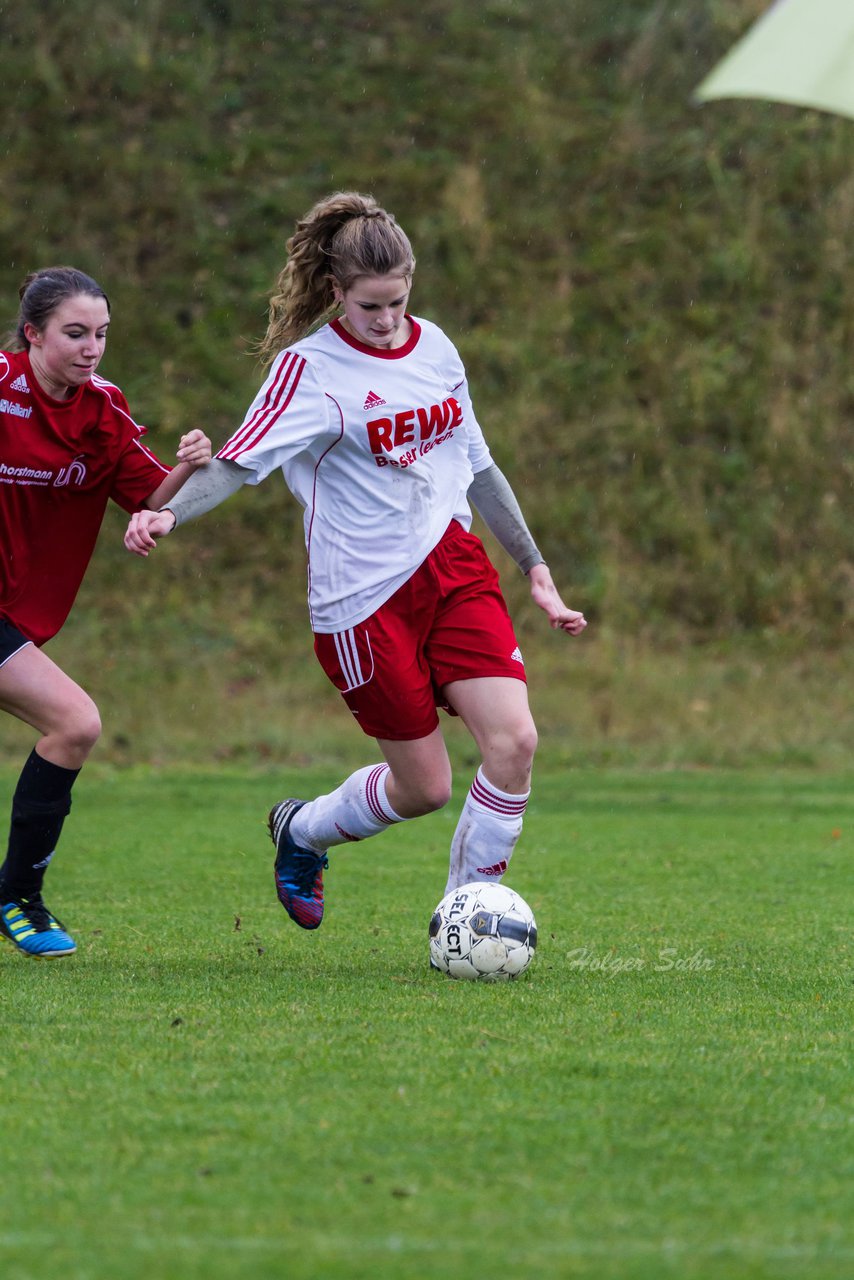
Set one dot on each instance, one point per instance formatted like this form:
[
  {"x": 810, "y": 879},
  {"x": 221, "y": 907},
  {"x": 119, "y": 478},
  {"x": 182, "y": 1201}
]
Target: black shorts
[{"x": 11, "y": 640}]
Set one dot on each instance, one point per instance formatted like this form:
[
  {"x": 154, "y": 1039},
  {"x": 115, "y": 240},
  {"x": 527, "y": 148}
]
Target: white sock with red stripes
[
  {"x": 486, "y": 834},
  {"x": 353, "y": 811}
]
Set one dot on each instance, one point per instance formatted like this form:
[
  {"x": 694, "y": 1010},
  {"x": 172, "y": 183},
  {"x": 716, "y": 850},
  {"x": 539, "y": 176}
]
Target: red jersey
[{"x": 60, "y": 463}]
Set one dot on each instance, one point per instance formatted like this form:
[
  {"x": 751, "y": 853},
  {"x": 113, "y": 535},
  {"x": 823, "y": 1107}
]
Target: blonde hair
[{"x": 344, "y": 236}]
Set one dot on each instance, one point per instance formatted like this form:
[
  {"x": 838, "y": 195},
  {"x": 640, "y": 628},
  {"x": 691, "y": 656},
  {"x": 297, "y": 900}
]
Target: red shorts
[{"x": 448, "y": 622}]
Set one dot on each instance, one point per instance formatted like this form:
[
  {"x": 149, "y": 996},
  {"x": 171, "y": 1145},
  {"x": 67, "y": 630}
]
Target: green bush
[{"x": 654, "y": 300}]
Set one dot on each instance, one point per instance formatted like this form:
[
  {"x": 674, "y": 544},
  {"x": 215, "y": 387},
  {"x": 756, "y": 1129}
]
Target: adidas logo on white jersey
[
  {"x": 20, "y": 384},
  {"x": 516, "y": 655},
  {"x": 373, "y": 401}
]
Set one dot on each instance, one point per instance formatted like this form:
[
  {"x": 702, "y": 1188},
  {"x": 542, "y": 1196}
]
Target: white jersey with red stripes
[{"x": 378, "y": 445}]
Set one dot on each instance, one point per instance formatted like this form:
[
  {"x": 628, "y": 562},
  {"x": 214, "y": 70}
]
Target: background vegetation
[{"x": 654, "y": 302}]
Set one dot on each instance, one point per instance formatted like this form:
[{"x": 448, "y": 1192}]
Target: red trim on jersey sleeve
[
  {"x": 116, "y": 397},
  {"x": 381, "y": 353},
  {"x": 138, "y": 474},
  {"x": 139, "y": 471},
  {"x": 280, "y": 392}
]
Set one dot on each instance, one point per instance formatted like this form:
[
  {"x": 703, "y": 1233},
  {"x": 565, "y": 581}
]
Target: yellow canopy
[{"x": 800, "y": 51}]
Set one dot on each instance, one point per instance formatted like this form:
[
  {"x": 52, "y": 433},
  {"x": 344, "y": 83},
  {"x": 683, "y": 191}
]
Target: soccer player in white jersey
[{"x": 369, "y": 418}]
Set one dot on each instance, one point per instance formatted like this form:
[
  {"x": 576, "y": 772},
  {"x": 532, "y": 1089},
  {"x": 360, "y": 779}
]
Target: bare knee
[
  {"x": 87, "y": 728},
  {"x": 509, "y": 757},
  {"x": 434, "y": 797},
  {"x": 71, "y": 740},
  {"x": 414, "y": 799},
  {"x": 525, "y": 743}
]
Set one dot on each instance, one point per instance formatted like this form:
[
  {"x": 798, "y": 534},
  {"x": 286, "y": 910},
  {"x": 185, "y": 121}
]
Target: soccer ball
[{"x": 483, "y": 931}]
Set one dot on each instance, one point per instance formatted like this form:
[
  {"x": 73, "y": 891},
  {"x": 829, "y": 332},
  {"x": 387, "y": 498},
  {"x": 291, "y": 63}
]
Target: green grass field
[{"x": 206, "y": 1091}]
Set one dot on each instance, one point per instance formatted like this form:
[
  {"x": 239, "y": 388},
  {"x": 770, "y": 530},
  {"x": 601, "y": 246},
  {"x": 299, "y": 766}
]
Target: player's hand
[
  {"x": 544, "y": 593},
  {"x": 195, "y": 449},
  {"x": 145, "y": 528}
]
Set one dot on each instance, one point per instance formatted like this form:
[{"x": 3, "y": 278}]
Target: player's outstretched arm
[
  {"x": 206, "y": 488},
  {"x": 194, "y": 451},
  {"x": 491, "y": 494},
  {"x": 545, "y": 594},
  {"x": 145, "y": 528}
]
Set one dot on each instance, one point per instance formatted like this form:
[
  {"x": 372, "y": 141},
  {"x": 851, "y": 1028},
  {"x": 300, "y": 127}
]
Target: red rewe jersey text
[{"x": 424, "y": 427}]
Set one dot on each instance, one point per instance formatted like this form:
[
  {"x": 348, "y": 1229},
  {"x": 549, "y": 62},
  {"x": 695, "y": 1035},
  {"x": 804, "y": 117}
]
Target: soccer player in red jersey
[
  {"x": 369, "y": 418},
  {"x": 67, "y": 445}
]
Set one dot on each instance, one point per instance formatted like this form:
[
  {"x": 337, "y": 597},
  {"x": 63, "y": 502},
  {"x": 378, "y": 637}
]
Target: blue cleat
[
  {"x": 28, "y": 924},
  {"x": 299, "y": 872}
]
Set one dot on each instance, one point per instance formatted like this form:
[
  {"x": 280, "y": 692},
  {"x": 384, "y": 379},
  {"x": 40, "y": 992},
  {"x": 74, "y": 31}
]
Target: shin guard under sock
[
  {"x": 357, "y": 809},
  {"x": 41, "y": 802},
  {"x": 490, "y": 825}
]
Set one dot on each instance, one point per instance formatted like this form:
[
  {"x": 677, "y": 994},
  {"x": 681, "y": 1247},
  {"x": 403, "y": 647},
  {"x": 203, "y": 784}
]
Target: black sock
[{"x": 40, "y": 804}]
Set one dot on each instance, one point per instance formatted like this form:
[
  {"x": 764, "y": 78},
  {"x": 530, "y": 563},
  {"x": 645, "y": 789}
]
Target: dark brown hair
[{"x": 43, "y": 291}]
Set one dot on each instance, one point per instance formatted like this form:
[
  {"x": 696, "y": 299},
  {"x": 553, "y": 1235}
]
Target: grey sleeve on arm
[
  {"x": 496, "y": 502},
  {"x": 206, "y": 489}
]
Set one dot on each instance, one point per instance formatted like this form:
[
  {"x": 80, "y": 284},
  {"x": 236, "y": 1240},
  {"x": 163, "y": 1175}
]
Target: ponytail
[{"x": 343, "y": 237}]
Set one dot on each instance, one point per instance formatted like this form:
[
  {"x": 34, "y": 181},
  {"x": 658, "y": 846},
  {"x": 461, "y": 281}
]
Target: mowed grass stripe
[{"x": 205, "y": 1087}]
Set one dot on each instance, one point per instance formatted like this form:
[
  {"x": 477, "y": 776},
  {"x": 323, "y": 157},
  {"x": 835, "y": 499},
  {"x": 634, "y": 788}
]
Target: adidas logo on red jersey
[
  {"x": 373, "y": 401},
  {"x": 516, "y": 655},
  {"x": 20, "y": 384}
]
